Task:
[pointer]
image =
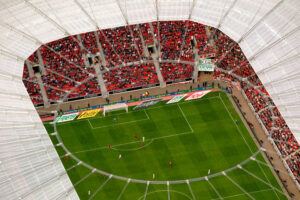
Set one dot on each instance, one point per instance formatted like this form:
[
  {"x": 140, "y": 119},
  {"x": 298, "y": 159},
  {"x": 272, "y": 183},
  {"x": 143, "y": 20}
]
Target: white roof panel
[{"x": 270, "y": 41}]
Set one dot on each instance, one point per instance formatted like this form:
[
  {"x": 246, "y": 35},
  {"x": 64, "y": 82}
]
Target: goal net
[{"x": 115, "y": 107}]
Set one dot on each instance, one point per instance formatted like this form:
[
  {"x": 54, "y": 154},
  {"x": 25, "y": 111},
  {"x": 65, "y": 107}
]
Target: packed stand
[
  {"x": 176, "y": 72},
  {"x": 294, "y": 164},
  {"x": 137, "y": 40},
  {"x": 204, "y": 48},
  {"x": 223, "y": 75},
  {"x": 253, "y": 79},
  {"x": 170, "y": 36},
  {"x": 147, "y": 33},
  {"x": 230, "y": 57},
  {"x": 63, "y": 74},
  {"x": 130, "y": 77},
  {"x": 187, "y": 49},
  {"x": 32, "y": 87},
  {"x": 119, "y": 46},
  {"x": 89, "y": 42},
  {"x": 274, "y": 124}
]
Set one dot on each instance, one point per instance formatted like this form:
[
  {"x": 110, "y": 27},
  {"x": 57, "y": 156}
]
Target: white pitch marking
[{"x": 185, "y": 118}]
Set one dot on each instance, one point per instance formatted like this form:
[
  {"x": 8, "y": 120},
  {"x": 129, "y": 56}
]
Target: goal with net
[{"x": 115, "y": 107}]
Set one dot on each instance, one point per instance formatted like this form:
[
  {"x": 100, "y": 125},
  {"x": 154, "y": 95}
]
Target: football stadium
[{"x": 150, "y": 100}]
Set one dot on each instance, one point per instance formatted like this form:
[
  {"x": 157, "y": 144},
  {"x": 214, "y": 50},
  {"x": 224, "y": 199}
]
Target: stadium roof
[{"x": 267, "y": 31}]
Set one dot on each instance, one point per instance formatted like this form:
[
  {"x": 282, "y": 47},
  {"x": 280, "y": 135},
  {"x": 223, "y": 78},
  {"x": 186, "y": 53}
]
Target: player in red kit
[
  {"x": 170, "y": 164},
  {"x": 136, "y": 135},
  {"x": 109, "y": 146}
]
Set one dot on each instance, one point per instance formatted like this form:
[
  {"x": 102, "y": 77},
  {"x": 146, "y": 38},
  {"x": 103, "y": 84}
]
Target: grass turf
[{"x": 197, "y": 136}]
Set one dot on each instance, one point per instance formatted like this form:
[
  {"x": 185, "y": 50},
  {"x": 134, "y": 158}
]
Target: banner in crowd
[
  {"x": 65, "y": 118},
  {"x": 176, "y": 98},
  {"x": 206, "y": 65},
  {"x": 145, "y": 104},
  {"x": 197, "y": 95},
  {"x": 89, "y": 113}
]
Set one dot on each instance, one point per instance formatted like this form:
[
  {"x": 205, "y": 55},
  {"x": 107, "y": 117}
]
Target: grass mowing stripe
[
  {"x": 185, "y": 118},
  {"x": 242, "y": 189},
  {"x": 236, "y": 125},
  {"x": 242, "y": 194},
  {"x": 214, "y": 145},
  {"x": 118, "y": 123},
  {"x": 118, "y": 145},
  {"x": 213, "y": 187},
  {"x": 246, "y": 142}
]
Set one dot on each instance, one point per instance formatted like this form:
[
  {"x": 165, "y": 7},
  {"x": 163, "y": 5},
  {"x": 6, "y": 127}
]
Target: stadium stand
[
  {"x": 32, "y": 87},
  {"x": 130, "y": 77},
  {"x": 178, "y": 71},
  {"x": 124, "y": 45}
]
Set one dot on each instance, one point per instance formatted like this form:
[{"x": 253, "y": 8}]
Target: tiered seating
[
  {"x": 147, "y": 34},
  {"x": 204, "y": 48},
  {"x": 254, "y": 80},
  {"x": 62, "y": 75},
  {"x": 130, "y": 77},
  {"x": 294, "y": 164},
  {"x": 257, "y": 100},
  {"x": 178, "y": 71},
  {"x": 138, "y": 41},
  {"x": 121, "y": 47},
  {"x": 89, "y": 42},
  {"x": 32, "y": 87},
  {"x": 219, "y": 74},
  {"x": 228, "y": 53},
  {"x": 270, "y": 116},
  {"x": 266, "y": 118},
  {"x": 275, "y": 124},
  {"x": 171, "y": 35}
]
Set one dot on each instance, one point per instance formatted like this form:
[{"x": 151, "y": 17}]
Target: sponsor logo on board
[
  {"x": 88, "y": 114},
  {"x": 176, "y": 98},
  {"x": 65, "y": 118},
  {"x": 145, "y": 104},
  {"x": 197, "y": 95}
]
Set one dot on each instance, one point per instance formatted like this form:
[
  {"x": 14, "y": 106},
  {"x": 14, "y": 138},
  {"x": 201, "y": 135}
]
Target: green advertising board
[
  {"x": 65, "y": 118},
  {"x": 206, "y": 65}
]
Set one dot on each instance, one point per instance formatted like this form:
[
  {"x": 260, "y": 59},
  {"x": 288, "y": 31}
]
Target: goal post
[{"x": 115, "y": 107}]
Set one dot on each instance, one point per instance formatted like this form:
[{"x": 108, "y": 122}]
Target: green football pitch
[{"x": 201, "y": 137}]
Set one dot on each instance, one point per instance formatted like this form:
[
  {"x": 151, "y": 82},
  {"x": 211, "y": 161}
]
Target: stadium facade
[{"x": 267, "y": 32}]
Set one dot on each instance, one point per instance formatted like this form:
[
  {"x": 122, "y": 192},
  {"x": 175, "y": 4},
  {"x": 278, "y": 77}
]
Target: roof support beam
[
  {"x": 278, "y": 80},
  {"x": 37, "y": 10},
  {"x": 283, "y": 93},
  {"x": 86, "y": 13},
  {"x": 258, "y": 22},
  {"x": 276, "y": 65},
  {"x": 225, "y": 15},
  {"x": 125, "y": 17},
  {"x": 97, "y": 27},
  {"x": 274, "y": 43}
]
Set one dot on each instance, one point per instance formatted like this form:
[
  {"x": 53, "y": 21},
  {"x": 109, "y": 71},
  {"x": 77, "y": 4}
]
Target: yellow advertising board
[{"x": 88, "y": 114}]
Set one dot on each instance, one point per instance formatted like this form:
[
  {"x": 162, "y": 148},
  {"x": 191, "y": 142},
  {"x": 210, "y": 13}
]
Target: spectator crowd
[{"x": 124, "y": 47}]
